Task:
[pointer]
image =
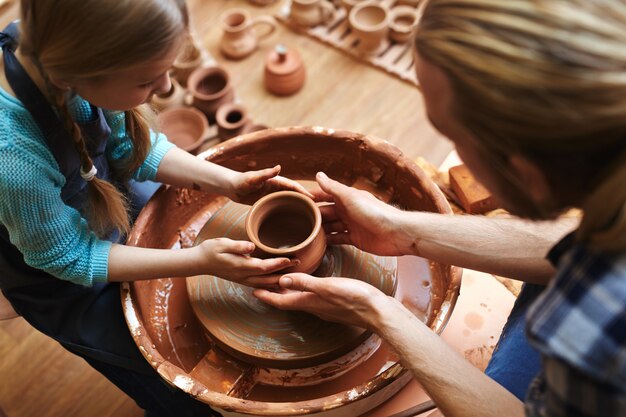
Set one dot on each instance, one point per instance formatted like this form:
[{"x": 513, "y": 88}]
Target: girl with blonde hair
[
  {"x": 76, "y": 153},
  {"x": 533, "y": 95}
]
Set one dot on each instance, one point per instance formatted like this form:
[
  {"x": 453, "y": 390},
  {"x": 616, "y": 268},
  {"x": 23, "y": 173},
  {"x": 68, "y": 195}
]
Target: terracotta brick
[{"x": 474, "y": 197}]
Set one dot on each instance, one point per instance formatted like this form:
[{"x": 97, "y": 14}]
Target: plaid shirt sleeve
[{"x": 579, "y": 326}]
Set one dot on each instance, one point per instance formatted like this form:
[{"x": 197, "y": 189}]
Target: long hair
[
  {"x": 87, "y": 39},
  {"x": 546, "y": 80}
]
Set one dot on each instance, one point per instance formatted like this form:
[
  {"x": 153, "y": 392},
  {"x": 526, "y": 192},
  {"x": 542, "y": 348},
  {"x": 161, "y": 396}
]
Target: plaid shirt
[{"x": 579, "y": 325}]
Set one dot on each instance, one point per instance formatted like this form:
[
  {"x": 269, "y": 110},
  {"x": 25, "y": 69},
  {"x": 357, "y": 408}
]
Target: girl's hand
[
  {"x": 341, "y": 300},
  {"x": 248, "y": 187},
  {"x": 229, "y": 259}
]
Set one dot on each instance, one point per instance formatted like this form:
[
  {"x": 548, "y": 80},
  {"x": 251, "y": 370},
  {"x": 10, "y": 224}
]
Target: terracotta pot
[
  {"x": 349, "y": 4},
  {"x": 287, "y": 224},
  {"x": 210, "y": 88},
  {"x": 403, "y": 22},
  {"x": 232, "y": 120},
  {"x": 186, "y": 127},
  {"x": 370, "y": 24},
  {"x": 309, "y": 13},
  {"x": 239, "y": 37},
  {"x": 284, "y": 71},
  {"x": 189, "y": 59},
  {"x": 173, "y": 98}
]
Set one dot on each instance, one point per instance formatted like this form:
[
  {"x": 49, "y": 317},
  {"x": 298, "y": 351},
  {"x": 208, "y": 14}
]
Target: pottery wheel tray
[
  {"x": 396, "y": 58},
  {"x": 174, "y": 340}
]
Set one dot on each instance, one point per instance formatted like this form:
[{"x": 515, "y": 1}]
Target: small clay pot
[
  {"x": 309, "y": 13},
  {"x": 240, "y": 37},
  {"x": 189, "y": 59},
  {"x": 370, "y": 24},
  {"x": 284, "y": 71},
  {"x": 175, "y": 97},
  {"x": 403, "y": 21},
  {"x": 349, "y": 4},
  {"x": 210, "y": 87},
  {"x": 232, "y": 120},
  {"x": 287, "y": 224},
  {"x": 186, "y": 127}
]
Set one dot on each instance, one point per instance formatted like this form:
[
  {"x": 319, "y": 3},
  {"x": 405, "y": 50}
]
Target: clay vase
[
  {"x": 403, "y": 22},
  {"x": 370, "y": 24},
  {"x": 210, "y": 88},
  {"x": 175, "y": 97},
  {"x": 284, "y": 73},
  {"x": 232, "y": 120},
  {"x": 287, "y": 224},
  {"x": 186, "y": 127},
  {"x": 189, "y": 59},
  {"x": 309, "y": 13},
  {"x": 240, "y": 37}
]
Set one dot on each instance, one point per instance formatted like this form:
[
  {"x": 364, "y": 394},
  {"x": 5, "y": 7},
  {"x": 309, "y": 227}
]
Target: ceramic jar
[
  {"x": 232, "y": 120},
  {"x": 210, "y": 88},
  {"x": 240, "y": 37},
  {"x": 175, "y": 97},
  {"x": 403, "y": 21},
  {"x": 189, "y": 59},
  {"x": 309, "y": 13},
  {"x": 284, "y": 72},
  {"x": 186, "y": 127},
  {"x": 369, "y": 22},
  {"x": 287, "y": 224}
]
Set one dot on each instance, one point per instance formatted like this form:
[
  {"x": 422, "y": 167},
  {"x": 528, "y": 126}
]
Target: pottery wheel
[{"x": 259, "y": 334}]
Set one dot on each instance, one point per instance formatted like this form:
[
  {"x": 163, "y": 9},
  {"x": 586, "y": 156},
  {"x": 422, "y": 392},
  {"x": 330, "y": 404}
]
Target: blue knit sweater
[{"x": 51, "y": 235}]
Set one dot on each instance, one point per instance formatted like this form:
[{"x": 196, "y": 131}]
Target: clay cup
[
  {"x": 370, "y": 24},
  {"x": 186, "y": 127},
  {"x": 403, "y": 22},
  {"x": 287, "y": 224},
  {"x": 240, "y": 37},
  {"x": 210, "y": 87}
]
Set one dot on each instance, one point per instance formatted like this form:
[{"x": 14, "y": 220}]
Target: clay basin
[{"x": 173, "y": 341}]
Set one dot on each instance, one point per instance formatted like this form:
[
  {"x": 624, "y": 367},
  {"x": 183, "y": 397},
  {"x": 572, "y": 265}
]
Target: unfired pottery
[
  {"x": 171, "y": 337},
  {"x": 187, "y": 61},
  {"x": 369, "y": 22},
  {"x": 210, "y": 88},
  {"x": 403, "y": 21},
  {"x": 186, "y": 127},
  {"x": 240, "y": 37},
  {"x": 175, "y": 97},
  {"x": 349, "y": 4},
  {"x": 232, "y": 120},
  {"x": 309, "y": 13},
  {"x": 284, "y": 72},
  {"x": 287, "y": 224}
]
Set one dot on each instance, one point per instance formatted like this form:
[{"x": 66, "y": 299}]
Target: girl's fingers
[
  {"x": 236, "y": 247},
  {"x": 267, "y": 266},
  {"x": 265, "y": 174}
]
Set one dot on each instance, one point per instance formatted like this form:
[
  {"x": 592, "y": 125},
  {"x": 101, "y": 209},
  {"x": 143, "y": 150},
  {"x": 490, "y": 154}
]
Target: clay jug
[
  {"x": 369, "y": 22},
  {"x": 209, "y": 88},
  {"x": 232, "y": 120},
  {"x": 403, "y": 22},
  {"x": 175, "y": 97},
  {"x": 187, "y": 61},
  {"x": 287, "y": 224},
  {"x": 309, "y": 13},
  {"x": 284, "y": 71},
  {"x": 186, "y": 127},
  {"x": 240, "y": 37}
]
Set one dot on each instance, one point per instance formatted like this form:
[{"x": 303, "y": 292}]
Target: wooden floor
[{"x": 37, "y": 377}]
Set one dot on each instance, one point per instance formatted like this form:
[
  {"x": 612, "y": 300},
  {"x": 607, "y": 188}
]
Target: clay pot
[
  {"x": 284, "y": 71},
  {"x": 239, "y": 37},
  {"x": 186, "y": 127},
  {"x": 287, "y": 224},
  {"x": 189, "y": 59},
  {"x": 309, "y": 13},
  {"x": 175, "y": 97},
  {"x": 232, "y": 120},
  {"x": 370, "y": 24},
  {"x": 349, "y": 4},
  {"x": 210, "y": 88},
  {"x": 403, "y": 22}
]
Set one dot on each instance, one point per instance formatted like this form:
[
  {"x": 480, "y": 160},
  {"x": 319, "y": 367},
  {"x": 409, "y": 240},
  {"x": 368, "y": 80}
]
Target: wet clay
[{"x": 165, "y": 328}]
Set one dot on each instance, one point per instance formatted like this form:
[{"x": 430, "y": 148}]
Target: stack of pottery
[
  {"x": 239, "y": 37},
  {"x": 284, "y": 71},
  {"x": 186, "y": 127}
]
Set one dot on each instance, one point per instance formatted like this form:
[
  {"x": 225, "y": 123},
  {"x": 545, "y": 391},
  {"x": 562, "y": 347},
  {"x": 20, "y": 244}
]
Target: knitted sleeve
[
  {"x": 120, "y": 146},
  {"x": 51, "y": 235}
]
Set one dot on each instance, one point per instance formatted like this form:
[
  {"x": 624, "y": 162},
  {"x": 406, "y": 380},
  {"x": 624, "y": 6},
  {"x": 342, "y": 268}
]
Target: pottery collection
[
  {"x": 369, "y": 22},
  {"x": 186, "y": 127},
  {"x": 240, "y": 37},
  {"x": 210, "y": 88},
  {"x": 309, "y": 13},
  {"x": 284, "y": 72}
]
